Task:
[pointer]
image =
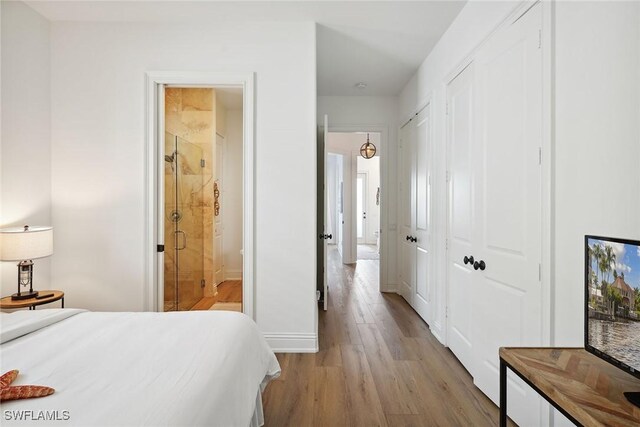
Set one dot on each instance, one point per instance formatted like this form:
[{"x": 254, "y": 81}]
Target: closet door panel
[
  {"x": 405, "y": 248},
  {"x": 460, "y": 216},
  {"x": 422, "y": 299},
  {"x": 507, "y": 207}
]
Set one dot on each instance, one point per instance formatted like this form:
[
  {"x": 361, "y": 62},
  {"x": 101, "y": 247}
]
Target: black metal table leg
[
  {"x": 62, "y": 299},
  {"x": 503, "y": 393}
]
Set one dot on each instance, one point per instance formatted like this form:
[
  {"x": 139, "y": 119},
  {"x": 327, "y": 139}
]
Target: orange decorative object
[
  {"x": 7, "y": 378},
  {"x": 9, "y": 392}
]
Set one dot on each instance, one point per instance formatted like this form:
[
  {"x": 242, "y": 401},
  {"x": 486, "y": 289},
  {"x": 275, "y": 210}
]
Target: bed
[{"x": 178, "y": 368}]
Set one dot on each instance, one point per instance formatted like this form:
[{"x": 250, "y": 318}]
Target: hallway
[{"x": 378, "y": 365}]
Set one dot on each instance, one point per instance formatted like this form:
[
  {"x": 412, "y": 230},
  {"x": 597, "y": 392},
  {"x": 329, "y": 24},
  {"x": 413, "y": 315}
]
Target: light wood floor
[
  {"x": 228, "y": 291},
  {"x": 378, "y": 365}
]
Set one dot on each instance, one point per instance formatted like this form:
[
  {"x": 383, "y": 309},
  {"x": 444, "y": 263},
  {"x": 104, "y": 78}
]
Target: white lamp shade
[{"x": 24, "y": 243}]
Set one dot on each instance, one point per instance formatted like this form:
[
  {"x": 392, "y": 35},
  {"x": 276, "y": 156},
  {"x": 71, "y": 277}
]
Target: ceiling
[{"x": 380, "y": 43}]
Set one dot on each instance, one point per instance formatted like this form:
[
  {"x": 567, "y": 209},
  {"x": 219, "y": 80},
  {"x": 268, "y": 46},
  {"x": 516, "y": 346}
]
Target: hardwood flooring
[
  {"x": 378, "y": 365},
  {"x": 204, "y": 304},
  {"x": 228, "y": 291}
]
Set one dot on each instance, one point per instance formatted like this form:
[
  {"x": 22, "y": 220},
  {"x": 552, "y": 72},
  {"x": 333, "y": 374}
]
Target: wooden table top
[
  {"x": 8, "y": 303},
  {"x": 585, "y": 386}
]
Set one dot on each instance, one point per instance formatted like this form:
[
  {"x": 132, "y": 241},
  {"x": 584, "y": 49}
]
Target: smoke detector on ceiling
[{"x": 361, "y": 85}]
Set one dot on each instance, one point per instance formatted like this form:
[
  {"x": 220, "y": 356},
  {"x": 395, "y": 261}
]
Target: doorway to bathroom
[
  {"x": 212, "y": 261},
  {"x": 203, "y": 198}
]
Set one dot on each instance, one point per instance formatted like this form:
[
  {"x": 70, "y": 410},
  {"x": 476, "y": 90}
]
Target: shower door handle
[{"x": 184, "y": 240}]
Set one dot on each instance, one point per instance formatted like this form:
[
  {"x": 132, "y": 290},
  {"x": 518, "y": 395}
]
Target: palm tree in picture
[
  {"x": 610, "y": 261},
  {"x": 598, "y": 254}
]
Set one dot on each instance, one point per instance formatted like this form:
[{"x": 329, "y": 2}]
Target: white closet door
[
  {"x": 407, "y": 211},
  {"x": 507, "y": 224},
  {"x": 460, "y": 218},
  {"x": 422, "y": 298}
]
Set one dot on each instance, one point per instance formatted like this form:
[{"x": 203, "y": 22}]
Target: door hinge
[
  {"x": 446, "y": 108},
  {"x": 539, "y": 272},
  {"x": 539, "y": 38},
  {"x": 448, "y": 176},
  {"x": 446, "y": 312},
  {"x": 446, "y": 244},
  {"x": 203, "y": 283},
  {"x": 539, "y": 155},
  {"x": 201, "y": 163}
]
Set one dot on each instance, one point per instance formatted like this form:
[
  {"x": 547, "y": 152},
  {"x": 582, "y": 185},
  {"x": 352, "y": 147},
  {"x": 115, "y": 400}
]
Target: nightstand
[{"x": 32, "y": 303}]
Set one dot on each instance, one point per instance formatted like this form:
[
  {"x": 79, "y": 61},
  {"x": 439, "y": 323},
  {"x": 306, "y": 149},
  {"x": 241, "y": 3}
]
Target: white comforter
[{"x": 184, "y": 368}]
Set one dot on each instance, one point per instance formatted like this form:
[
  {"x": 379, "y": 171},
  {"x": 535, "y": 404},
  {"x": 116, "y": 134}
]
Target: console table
[{"x": 585, "y": 388}]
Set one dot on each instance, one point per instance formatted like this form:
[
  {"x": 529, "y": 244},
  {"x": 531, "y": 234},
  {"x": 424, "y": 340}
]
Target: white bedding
[{"x": 182, "y": 368}]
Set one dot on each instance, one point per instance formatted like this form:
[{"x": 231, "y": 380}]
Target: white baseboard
[
  {"x": 233, "y": 275},
  {"x": 436, "y": 331},
  {"x": 292, "y": 342},
  {"x": 389, "y": 288}
]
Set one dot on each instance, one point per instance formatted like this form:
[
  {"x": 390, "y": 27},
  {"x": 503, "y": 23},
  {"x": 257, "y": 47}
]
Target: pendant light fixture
[{"x": 368, "y": 150}]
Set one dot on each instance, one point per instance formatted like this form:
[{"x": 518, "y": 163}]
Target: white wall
[
  {"x": 597, "y": 143},
  {"x": 369, "y": 113},
  {"x": 371, "y": 167},
  {"x": 232, "y": 195},
  {"x": 98, "y": 134},
  {"x": 25, "y": 149}
]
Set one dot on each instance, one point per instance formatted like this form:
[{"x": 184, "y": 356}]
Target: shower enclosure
[{"x": 183, "y": 224}]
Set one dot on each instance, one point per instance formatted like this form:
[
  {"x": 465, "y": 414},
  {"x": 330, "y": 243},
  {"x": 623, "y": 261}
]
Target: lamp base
[{"x": 24, "y": 295}]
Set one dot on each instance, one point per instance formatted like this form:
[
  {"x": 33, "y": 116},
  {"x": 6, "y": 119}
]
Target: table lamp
[{"x": 24, "y": 244}]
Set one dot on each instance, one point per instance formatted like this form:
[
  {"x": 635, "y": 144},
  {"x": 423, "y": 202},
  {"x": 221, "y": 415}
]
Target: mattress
[{"x": 155, "y": 369}]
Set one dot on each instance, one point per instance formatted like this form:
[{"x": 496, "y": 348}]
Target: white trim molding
[
  {"x": 233, "y": 275},
  {"x": 292, "y": 342},
  {"x": 154, "y": 154}
]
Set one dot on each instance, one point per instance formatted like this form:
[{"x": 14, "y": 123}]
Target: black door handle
[
  {"x": 330, "y": 236},
  {"x": 479, "y": 265},
  {"x": 321, "y": 236},
  {"x": 414, "y": 239},
  {"x": 408, "y": 238},
  {"x": 468, "y": 260}
]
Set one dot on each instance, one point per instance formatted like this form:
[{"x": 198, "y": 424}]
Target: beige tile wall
[{"x": 190, "y": 115}]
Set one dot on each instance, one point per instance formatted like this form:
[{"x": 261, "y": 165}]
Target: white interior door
[
  {"x": 324, "y": 186},
  {"x": 422, "y": 298},
  {"x": 361, "y": 207},
  {"x": 407, "y": 211},
  {"x": 507, "y": 224},
  {"x": 460, "y": 218},
  {"x": 219, "y": 186}
]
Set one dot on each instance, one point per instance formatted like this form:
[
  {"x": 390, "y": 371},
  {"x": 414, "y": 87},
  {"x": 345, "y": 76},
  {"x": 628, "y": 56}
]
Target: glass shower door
[{"x": 184, "y": 224}]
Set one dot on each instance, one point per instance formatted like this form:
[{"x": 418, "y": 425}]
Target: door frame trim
[
  {"x": 153, "y": 295},
  {"x": 385, "y": 239}
]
